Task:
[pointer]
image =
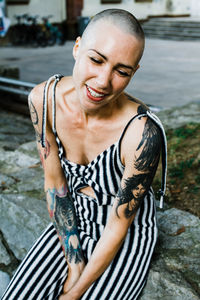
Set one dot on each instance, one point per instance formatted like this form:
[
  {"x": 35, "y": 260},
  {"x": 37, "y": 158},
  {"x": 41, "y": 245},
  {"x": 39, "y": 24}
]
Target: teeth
[{"x": 94, "y": 94}]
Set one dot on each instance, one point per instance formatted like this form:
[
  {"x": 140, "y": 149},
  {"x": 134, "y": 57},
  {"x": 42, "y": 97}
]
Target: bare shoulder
[
  {"x": 36, "y": 94},
  {"x": 142, "y": 132},
  {"x": 137, "y": 102},
  {"x": 65, "y": 83},
  {"x": 36, "y": 98},
  {"x": 135, "y": 107},
  {"x": 35, "y": 102}
]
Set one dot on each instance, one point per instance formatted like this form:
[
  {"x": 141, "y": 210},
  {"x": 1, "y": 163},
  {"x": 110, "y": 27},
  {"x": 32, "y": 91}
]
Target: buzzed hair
[{"x": 122, "y": 19}]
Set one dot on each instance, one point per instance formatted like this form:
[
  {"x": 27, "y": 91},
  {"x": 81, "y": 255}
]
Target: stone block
[
  {"x": 4, "y": 279},
  {"x": 10, "y": 72}
]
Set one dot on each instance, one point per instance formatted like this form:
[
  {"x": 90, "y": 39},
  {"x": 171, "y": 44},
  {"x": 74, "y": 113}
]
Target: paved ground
[{"x": 169, "y": 74}]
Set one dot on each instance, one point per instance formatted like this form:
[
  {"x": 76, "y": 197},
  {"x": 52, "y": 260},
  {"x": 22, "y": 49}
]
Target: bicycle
[
  {"x": 28, "y": 32},
  {"x": 17, "y": 34},
  {"x": 52, "y": 34}
]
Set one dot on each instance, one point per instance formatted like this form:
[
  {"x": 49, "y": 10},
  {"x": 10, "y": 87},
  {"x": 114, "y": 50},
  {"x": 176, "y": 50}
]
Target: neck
[{"x": 105, "y": 112}]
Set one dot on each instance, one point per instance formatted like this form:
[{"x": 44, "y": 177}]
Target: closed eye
[
  {"x": 97, "y": 61},
  {"x": 123, "y": 73}
]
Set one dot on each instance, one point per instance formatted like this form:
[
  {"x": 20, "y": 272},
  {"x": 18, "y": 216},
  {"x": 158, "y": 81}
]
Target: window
[
  {"x": 17, "y": 1},
  {"x": 143, "y": 0},
  {"x": 110, "y": 1}
]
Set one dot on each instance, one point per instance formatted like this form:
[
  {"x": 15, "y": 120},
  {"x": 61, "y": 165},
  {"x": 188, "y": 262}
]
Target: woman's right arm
[{"x": 59, "y": 201}]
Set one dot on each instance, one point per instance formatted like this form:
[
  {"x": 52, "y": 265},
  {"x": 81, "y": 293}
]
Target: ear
[
  {"x": 136, "y": 68},
  {"x": 76, "y": 47}
]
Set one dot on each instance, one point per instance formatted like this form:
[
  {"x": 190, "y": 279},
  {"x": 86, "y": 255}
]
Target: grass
[
  {"x": 183, "y": 181},
  {"x": 178, "y": 170}
]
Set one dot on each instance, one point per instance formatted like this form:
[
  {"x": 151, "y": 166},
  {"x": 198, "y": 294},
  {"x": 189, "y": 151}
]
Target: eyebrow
[{"x": 118, "y": 65}]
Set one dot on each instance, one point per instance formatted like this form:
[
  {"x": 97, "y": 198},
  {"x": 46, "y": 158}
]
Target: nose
[{"x": 104, "y": 78}]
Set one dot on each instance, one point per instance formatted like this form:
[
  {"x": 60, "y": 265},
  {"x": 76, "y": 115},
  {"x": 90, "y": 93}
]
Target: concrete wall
[
  {"x": 195, "y": 8},
  {"x": 57, "y": 8},
  {"x": 178, "y": 7},
  {"x": 141, "y": 10}
]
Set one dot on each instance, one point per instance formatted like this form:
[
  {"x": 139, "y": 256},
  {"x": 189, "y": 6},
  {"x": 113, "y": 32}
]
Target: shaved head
[{"x": 120, "y": 18}]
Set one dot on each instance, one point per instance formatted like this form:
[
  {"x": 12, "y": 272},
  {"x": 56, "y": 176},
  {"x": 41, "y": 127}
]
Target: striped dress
[{"x": 43, "y": 272}]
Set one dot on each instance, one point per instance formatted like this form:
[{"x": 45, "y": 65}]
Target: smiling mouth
[{"x": 94, "y": 94}]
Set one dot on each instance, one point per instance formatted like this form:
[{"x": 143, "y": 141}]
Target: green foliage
[
  {"x": 179, "y": 136},
  {"x": 178, "y": 170},
  {"x": 183, "y": 177},
  {"x": 195, "y": 190},
  {"x": 186, "y": 131},
  {"x": 197, "y": 178}
]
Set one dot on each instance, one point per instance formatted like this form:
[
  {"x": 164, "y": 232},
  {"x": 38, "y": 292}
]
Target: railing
[
  {"x": 22, "y": 88},
  {"x": 15, "y": 86}
]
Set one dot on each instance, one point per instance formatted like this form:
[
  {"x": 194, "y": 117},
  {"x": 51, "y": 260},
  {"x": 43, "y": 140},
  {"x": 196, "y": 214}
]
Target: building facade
[
  {"x": 142, "y": 9},
  {"x": 56, "y": 8},
  {"x": 70, "y": 9}
]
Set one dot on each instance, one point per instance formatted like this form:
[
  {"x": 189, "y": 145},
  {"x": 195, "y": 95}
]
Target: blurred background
[
  {"x": 36, "y": 41},
  {"x": 69, "y": 14}
]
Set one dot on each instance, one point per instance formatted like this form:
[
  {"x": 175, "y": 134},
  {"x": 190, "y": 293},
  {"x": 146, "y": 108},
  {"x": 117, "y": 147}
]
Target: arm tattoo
[
  {"x": 151, "y": 148},
  {"x": 33, "y": 112},
  {"x": 35, "y": 121},
  {"x": 61, "y": 210},
  {"x": 137, "y": 186}
]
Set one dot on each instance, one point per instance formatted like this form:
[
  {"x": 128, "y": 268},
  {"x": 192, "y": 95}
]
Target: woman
[{"x": 100, "y": 201}]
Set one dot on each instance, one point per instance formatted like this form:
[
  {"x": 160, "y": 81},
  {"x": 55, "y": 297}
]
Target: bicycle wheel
[
  {"x": 51, "y": 39},
  {"x": 41, "y": 39},
  {"x": 16, "y": 36}
]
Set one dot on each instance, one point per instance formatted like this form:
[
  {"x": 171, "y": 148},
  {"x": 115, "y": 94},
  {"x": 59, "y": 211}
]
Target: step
[
  {"x": 173, "y": 32},
  {"x": 172, "y": 24},
  {"x": 173, "y": 20},
  {"x": 175, "y": 25},
  {"x": 180, "y": 32},
  {"x": 173, "y": 37},
  {"x": 163, "y": 25},
  {"x": 172, "y": 29}
]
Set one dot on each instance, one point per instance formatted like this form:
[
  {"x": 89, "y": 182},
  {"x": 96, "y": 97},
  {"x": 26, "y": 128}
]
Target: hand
[
  {"x": 67, "y": 296},
  {"x": 73, "y": 275}
]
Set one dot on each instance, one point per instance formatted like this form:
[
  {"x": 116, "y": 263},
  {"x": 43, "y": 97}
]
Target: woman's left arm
[{"x": 140, "y": 157}]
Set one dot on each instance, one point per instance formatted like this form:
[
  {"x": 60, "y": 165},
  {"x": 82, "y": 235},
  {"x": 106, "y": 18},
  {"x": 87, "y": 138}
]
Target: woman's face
[
  {"x": 105, "y": 61},
  {"x": 138, "y": 191}
]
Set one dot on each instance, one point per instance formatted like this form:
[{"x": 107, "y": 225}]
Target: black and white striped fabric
[{"x": 44, "y": 270}]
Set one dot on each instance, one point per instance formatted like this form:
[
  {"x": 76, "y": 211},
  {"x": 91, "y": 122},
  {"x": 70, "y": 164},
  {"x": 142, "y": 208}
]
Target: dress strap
[
  {"x": 138, "y": 116},
  {"x": 157, "y": 121},
  {"x": 56, "y": 78}
]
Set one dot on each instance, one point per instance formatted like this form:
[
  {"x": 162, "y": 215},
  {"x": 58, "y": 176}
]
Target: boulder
[
  {"x": 15, "y": 130},
  {"x": 4, "y": 279},
  {"x": 22, "y": 221},
  {"x": 175, "y": 268},
  {"x": 4, "y": 255},
  {"x": 11, "y": 72},
  {"x": 12, "y": 161},
  {"x": 181, "y": 115}
]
